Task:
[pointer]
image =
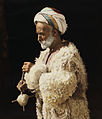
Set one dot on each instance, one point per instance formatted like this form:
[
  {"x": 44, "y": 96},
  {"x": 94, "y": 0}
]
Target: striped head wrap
[{"x": 52, "y": 17}]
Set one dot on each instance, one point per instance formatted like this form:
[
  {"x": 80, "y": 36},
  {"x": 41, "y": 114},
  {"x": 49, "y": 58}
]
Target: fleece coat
[{"x": 60, "y": 84}]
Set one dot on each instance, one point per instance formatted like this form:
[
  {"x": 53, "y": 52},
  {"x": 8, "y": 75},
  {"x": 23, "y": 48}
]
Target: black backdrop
[{"x": 84, "y": 21}]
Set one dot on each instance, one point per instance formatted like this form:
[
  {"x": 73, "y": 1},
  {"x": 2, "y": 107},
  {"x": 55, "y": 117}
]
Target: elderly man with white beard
[{"x": 58, "y": 78}]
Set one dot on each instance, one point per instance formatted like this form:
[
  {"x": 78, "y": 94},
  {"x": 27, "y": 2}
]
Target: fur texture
[{"x": 61, "y": 84}]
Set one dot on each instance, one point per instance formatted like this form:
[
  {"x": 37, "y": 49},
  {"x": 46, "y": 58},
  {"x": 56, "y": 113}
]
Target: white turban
[{"x": 52, "y": 17}]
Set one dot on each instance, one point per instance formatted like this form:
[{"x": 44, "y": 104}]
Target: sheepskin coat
[{"x": 60, "y": 84}]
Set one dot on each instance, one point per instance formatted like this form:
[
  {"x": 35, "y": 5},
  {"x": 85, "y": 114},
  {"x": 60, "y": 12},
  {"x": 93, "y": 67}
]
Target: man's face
[{"x": 45, "y": 36}]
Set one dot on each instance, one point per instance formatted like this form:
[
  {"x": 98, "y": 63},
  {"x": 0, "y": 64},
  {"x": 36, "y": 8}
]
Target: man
[{"x": 58, "y": 76}]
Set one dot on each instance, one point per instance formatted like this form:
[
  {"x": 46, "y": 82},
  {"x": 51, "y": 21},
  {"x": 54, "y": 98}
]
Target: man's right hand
[
  {"x": 26, "y": 66},
  {"x": 22, "y": 86}
]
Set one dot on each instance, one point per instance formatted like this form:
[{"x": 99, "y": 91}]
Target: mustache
[{"x": 42, "y": 42}]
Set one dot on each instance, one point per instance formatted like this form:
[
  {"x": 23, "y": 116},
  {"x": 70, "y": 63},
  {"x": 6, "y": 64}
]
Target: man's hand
[
  {"x": 22, "y": 86},
  {"x": 26, "y": 66}
]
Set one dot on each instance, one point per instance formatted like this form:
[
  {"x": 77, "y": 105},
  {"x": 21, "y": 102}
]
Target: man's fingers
[
  {"x": 21, "y": 85},
  {"x": 26, "y": 66},
  {"x": 26, "y": 63}
]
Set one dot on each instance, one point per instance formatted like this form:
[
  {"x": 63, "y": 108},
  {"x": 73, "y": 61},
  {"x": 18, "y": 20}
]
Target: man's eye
[{"x": 42, "y": 34}]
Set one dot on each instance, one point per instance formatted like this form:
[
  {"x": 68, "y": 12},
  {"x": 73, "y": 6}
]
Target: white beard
[{"x": 47, "y": 43}]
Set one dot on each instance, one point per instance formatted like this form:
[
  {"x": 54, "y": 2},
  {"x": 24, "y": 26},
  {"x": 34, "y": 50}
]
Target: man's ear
[{"x": 55, "y": 32}]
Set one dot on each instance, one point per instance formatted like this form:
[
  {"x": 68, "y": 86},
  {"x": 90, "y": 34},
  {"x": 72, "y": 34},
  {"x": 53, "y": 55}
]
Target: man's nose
[{"x": 39, "y": 38}]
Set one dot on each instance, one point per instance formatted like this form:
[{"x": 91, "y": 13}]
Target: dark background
[{"x": 84, "y": 20}]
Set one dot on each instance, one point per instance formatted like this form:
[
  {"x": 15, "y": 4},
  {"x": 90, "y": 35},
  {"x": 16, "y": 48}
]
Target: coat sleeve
[
  {"x": 32, "y": 77},
  {"x": 58, "y": 86}
]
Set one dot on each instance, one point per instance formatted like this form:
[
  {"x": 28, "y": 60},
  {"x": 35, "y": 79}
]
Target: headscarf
[{"x": 52, "y": 17}]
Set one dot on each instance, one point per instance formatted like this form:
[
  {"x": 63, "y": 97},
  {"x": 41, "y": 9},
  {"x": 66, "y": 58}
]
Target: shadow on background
[{"x": 84, "y": 21}]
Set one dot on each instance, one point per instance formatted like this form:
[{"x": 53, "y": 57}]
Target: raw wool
[
  {"x": 22, "y": 99},
  {"x": 32, "y": 77}
]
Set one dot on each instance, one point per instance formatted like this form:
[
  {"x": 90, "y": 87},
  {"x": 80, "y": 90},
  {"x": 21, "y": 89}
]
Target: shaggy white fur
[{"x": 61, "y": 85}]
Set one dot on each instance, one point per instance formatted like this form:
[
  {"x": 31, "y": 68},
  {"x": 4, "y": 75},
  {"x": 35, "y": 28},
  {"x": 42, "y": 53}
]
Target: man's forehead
[{"x": 42, "y": 27}]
